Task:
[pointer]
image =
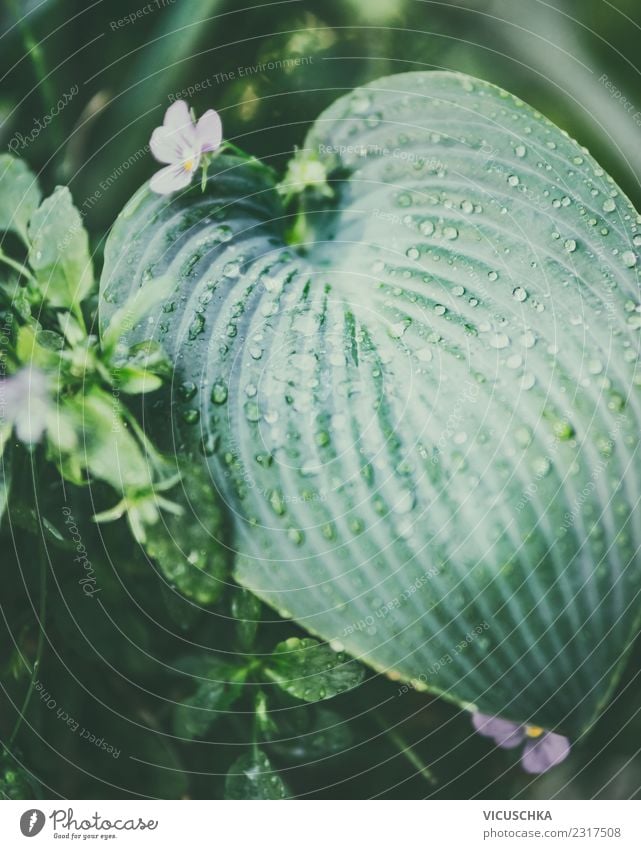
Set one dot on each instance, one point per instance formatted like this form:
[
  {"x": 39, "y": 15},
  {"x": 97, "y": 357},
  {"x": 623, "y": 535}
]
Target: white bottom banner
[{"x": 315, "y": 825}]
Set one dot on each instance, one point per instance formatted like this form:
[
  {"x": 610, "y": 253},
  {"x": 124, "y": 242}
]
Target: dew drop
[
  {"x": 231, "y": 269},
  {"x": 210, "y": 444},
  {"x": 252, "y": 411},
  {"x": 528, "y": 339},
  {"x": 499, "y": 340},
  {"x": 219, "y": 393},
  {"x": 197, "y": 326},
  {"x": 187, "y": 390}
]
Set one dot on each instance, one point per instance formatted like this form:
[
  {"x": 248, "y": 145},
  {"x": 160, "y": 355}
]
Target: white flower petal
[
  {"x": 209, "y": 131},
  {"x": 170, "y": 179},
  {"x": 26, "y": 403},
  {"x": 177, "y": 117},
  {"x": 163, "y": 145},
  {"x": 180, "y": 133}
]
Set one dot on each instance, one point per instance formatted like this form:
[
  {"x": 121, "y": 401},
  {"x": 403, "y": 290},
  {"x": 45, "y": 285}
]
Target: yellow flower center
[
  {"x": 533, "y": 731},
  {"x": 189, "y": 165}
]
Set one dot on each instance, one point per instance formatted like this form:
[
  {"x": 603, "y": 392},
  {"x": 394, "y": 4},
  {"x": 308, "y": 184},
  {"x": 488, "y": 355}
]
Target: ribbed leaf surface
[{"x": 425, "y": 421}]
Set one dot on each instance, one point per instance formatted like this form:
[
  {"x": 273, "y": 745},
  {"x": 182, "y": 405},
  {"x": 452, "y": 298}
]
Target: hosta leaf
[
  {"x": 310, "y": 671},
  {"x": 425, "y": 421},
  {"x": 252, "y": 777}
]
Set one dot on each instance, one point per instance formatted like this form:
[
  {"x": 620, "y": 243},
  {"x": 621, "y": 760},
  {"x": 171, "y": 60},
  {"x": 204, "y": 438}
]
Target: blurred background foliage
[{"x": 112, "y": 670}]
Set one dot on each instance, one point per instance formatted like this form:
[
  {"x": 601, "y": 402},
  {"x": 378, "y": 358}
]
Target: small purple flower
[
  {"x": 25, "y": 404},
  {"x": 542, "y": 750},
  {"x": 181, "y": 143}
]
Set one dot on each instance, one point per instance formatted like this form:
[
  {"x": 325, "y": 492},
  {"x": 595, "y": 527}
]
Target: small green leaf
[
  {"x": 264, "y": 722},
  {"x": 245, "y": 607},
  {"x": 219, "y": 685},
  {"x": 109, "y": 450},
  {"x": 252, "y": 777},
  {"x": 59, "y": 253},
  {"x": 5, "y": 469},
  {"x": 70, "y": 326},
  {"x": 189, "y": 548},
  {"x": 15, "y": 782},
  {"x": 309, "y": 670},
  {"x": 38, "y": 347},
  {"x": 137, "y": 381},
  {"x": 19, "y": 195},
  {"x": 311, "y": 732}
]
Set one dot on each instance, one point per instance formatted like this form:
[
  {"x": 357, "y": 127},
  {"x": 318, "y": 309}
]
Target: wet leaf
[
  {"x": 19, "y": 195},
  {"x": 426, "y": 418},
  {"x": 252, "y": 777},
  {"x": 59, "y": 253},
  {"x": 310, "y": 671}
]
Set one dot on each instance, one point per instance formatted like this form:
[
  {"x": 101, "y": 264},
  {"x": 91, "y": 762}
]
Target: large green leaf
[{"x": 425, "y": 421}]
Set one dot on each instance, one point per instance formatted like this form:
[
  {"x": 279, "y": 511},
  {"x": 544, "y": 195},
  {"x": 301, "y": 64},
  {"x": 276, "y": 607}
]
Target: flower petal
[
  {"x": 209, "y": 131},
  {"x": 170, "y": 179},
  {"x": 164, "y": 145},
  {"x": 177, "y": 117},
  {"x": 24, "y": 403},
  {"x": 505, "y": 734},
  {"x": 179, "y": 134},
  {"x": 545, "y": 752}
]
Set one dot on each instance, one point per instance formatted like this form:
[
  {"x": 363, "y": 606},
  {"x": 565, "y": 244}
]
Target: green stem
[
  {"x": 36, "y": 663},
  {"x": 17, "y": 266},
  {"x": 77, "y": 311},
  {"x": 239, "y": 151},
  {"x": 155, "y": 457},
  {"x": 299, "y": 232},
  {"x": 399, "y": 743},
  {"x": 36, "y": 55}
]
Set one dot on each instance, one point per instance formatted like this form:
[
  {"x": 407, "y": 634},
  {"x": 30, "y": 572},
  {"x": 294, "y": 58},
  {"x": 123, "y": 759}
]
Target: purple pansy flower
[
  {"x": 181, "y": 143},
  {"x": 542, "y": 750}
]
